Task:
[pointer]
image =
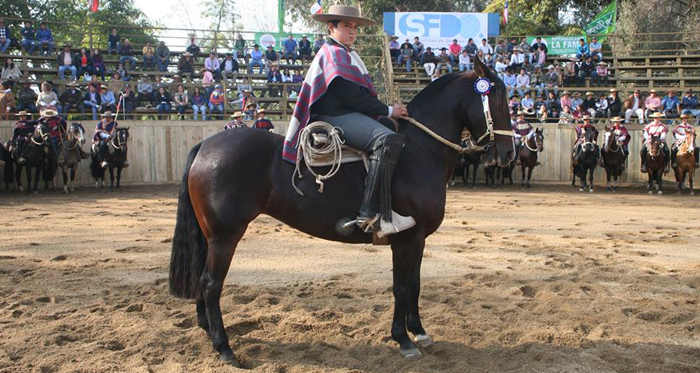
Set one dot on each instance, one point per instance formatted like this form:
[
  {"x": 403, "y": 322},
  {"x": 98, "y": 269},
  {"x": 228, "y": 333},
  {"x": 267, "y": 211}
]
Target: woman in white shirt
[
  {"x": 47, "y": 99},
  {"x": 517, "y": 59}
]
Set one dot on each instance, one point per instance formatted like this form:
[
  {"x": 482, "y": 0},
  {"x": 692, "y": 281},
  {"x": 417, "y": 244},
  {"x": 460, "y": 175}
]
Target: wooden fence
[{"x": 158, "y": 150}]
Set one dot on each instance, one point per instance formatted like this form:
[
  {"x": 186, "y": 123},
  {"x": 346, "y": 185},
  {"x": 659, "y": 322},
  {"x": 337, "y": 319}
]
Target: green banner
[
  {"x": 559, "y": 45},
  {"x": 280, "y": 16},
  {"x": 603, "y": 23},
  {"x": 274, "y": 38}
]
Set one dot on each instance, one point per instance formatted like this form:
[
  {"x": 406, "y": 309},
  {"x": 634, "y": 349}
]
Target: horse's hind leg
[
  {"x": 529, "y": 175},
  {"x": 407, "y": 253},
  {"x": 65, "y": 180},
  {"x": 119, "y": 176},
  {"x": 690, "y": 182}
]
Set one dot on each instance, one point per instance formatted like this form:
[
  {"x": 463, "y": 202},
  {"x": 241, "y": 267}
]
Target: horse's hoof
[
  {"x": 21, "y": 188},
  {"x": 590, "y": 190},
  {"x": 411, "y": 353},
  {"x": 650, "y": 192},
  {"x": 230, "y": 359},
  {"x": 692, "y": 193},
  {"x": 580, "y": 189},
  {"x": 423, "y": 340},
  {"x": 661, "y": 192},
  {"x": 65, "y": 190}
]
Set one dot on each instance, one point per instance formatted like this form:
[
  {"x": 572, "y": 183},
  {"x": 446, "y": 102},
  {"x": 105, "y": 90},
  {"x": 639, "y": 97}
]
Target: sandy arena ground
[{"x": 548, "y": 280}]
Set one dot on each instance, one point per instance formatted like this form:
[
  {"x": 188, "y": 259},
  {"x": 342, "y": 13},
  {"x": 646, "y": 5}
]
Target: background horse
[
  {"x": 586, "y": 161},
  {"x": 8, "y": 166},
  {"x": 34, "y": 153},
  {"x": 655, "y": 161},
  {"x": 117, "y": 150},
  {"x": 685, "y": 162},
  {"x": 465, "y": 162},
  {"x": 233, "y": 176},
  {"x": 613, "y": 158},
  {"x": 528, "y": 155},
  {"x": 70, "y": 151}
]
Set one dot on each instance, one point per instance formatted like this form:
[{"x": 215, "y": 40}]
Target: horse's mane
[{"x": 432, "y": 90}]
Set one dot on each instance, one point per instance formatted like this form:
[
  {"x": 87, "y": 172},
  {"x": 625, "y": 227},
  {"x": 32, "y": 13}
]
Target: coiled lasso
[{"x": 311, "y": 154}]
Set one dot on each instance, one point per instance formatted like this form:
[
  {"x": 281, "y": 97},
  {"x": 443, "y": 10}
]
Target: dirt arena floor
[{"x": 545, "y": 280}]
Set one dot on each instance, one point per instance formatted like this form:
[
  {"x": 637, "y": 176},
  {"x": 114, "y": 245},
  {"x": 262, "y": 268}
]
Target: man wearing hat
[
  {"x": 394, "y": 47},
  {"x": 271, "y": 57},
  {"x": 107, "y": 100},
  {"x": 4, "y": 37},
  {"x": 551, "y": 80},
  {"x": 66, "y": 60},
  {"x": 347, "y": 99},
  {"x": 634, "y": 105},
  {"x": 72, "y": 99},
  {"x": 263, "y": 123},
  {"x": 256, "y": 59},
  {"x": 21, "y": 132},
  {"x": 185, "y": 65},
  {"x": 236, "y": 121},
  {"x": 614, "y": 103},
  {"x": 689, "y": 104},
  {"x": 679, "y": 133},
  {"x": 581, "y": 135},
  {"x": 652, "y": 103},
  {"x": 304, "y": 49},
  {"x": 57, "y": 128},
  {"x": 104, "y": 130},
  {"x": 250, "y": 112},
  {"x": 622, "y": 136},
  {"x": 517, "y": 59},
  {"x": 443, "y": 60},
  {"x": 600, "y": 74},
  {"x": 521, "y": 129},
  {"x": 670, "y": 105},
  {"x": 655, "y": 128}
]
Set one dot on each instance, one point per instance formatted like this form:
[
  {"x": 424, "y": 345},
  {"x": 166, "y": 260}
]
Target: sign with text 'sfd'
[{"x": 437, "y": 29}]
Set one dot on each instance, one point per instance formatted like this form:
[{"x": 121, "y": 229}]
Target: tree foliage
[{"x": 222, "y": 17}]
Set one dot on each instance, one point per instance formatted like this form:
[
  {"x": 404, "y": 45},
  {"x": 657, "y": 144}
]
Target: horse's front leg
[
  {"x": 72, "y": 177},
  {"x": 111, "y": 177},
  {"x": 119, "y": 176},
  {"x": 522, "y": 174},
  {"x": 529, "y": 175},
  {"x": 65, "y": 180},
  {"x": 407, "y": 253},
  {"x": 690, "y": 181}
]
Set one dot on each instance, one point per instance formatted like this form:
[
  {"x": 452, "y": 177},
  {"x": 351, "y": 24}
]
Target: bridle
[
  {"x": 41, "y": 134},
  {"x": 613, "y": 141},
  {"x": 118, "y": 144},
  {"x": 68, "y": 135},
  {"x": 537, "y": 145}
]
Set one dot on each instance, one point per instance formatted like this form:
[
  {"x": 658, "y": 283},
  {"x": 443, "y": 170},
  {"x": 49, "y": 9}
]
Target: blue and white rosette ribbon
[{"x": 482, "y": 86}]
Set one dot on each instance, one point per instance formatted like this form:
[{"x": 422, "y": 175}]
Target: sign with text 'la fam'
[
  {"x": 437, "y": 29},
  {"x": 559, "y": 45}
]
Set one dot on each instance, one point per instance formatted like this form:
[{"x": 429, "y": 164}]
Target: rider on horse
[
  {"x": 20, "y": 134},
  {"x": 263, "y": 123},
  {"x": 522, "y": 128},
  {"x": 655, "y": 128},
  {"x": 236, "y": 121},
  {"x": 581, "y": 135},
  {"x": 338, "y": 90},
  {"x": 104, "y": 132},
  {"x": 57, "y": 129},
  {"x": 679, "y": 134},
  {"x": 622, "y": 136}
]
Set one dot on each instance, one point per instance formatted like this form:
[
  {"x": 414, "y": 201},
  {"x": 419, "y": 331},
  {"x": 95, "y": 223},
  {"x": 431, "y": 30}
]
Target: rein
[
  {"x": 41, "y": 134},
  {"x": 527, "y": 145},
  {"x": 119, "y": 141}
]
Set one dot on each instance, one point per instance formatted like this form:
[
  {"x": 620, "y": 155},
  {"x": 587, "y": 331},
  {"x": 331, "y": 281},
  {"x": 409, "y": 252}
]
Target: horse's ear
[{"x": 481, "y": 69}]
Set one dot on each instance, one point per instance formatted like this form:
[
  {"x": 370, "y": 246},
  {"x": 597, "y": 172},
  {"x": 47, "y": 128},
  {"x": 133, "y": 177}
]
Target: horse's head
[
  {"x": 498, "y": 107},
  {"x": 654, "y": 146},
  {"x": 539, "y": 140},
  {"x": 609, "y": 138},
  {"x": 589, "y": 137},
  {"x": 76, "y": 132},
  {"x": 41, "y": 132},
  {"x": 122, "y": 138}
]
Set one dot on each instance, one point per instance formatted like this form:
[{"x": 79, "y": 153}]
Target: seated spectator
[
  {"x": 7, "y": 100},
  {"x": 72, "y": 99},
  {"x": 634, "y": 105},
  {"x": 271, "y": 57},
  {"x": 537, "y": 81},
  {"x": 670, "y": 105},
  {"x": 10, "y": 71},
  {"x": 207, "y": 81},
  {"x": 600, "y": 74},
  {"x": 297, "y": 79},
  {"x": 443, "y": 60},
  {"x": 511, "y": 45},
  {"x": 304, "y": 49},
  {"x": 596, "y": 49},
  {"x": 26, "y": 98},
  {"x": 514, "y": 103},
  {"x": 589, "y": 104},
  {"x": 182, "y": 101},
  {"x": 162, "y": 56},
  {"x": 394, "y": 47},
  {"x": 256, "y": 59},
  {"x": 571, "y": 73},
  {"x": 582, "y": 51},
  {"x": 243, "y": 86},
  {"x": 239, "y": 49},
  {"x": 318, "y": 43},
  {"x": 287, "y": 79},
  {"x": 128, "y": 99},
  {"x": 172, "y": 87},
  {"x": 84, "y": 62},
  {"x": 522, "y": 82},
  {"x": 553, "y": 105},
  {"x": 186, "y": 65},
  {"x": 539, "y": 57},
  {"x": 290, "y": 49},
  {"x": 145, "y": 91},
  {"x": 455, "y": 51},
  {"x": 517, "y": 59},
  {"x": 126, "y": 53},
  {"x": 4, "y": 37},
  {"x": 149, "y": 58},
  {"x": 525, "y": 49},
  {"x": 249, "y": 113},
  {"x": 577, "y": 105},
  {"x": 116, "y": 84},
  {"x": 418, "y": 48},
  {"x": 688, "y": 106},
  {"x": 566, "y": 117},
  {"x": 527, "y": 105},
  {"x": 212, "y": 64},
  {"x": 540, "y": 108},
  {"x": 586, "y": 70},
  {"x": 123, "y": 74},
  {"x": 488, "y": 60},
  {"x": 107, "y": 100},
  {"x": 652, "y": 103},
  {"x": 614, "y": 104},
  {"x": 428, "y": 60},
  {"x": 510, "y": 81},
  {"x": 565, "y": 101},
  {"x": 162, "y": 100},
  {"x": 501, "y": 67},
  {"x": 500, "y": 49},
  {"x": 199, "y": 103},
  {"x": 464, "y": 61},
  {"x": 113, "y": 42},
  {"x": 92, "y": 100},
  {"x": 485, "y": 47},
  {"x": 44, "y": 40},
  {"x": 406, "y": 55},
  {"x": 536, "y": 45},
  {"x": 47, "y": 99},
  {"x": 28, "y": 37},
  {"x": 192, "y": 47},
  {"x": 436, "y": 75},
  {"x": 216, "y": 101},
  {"x": 601, "y": 106},
  {"x": 471, "y": 49},
  {"x": 98, "y": 64},
  {"x": 274, "y": 78},
  {"x": 66, "y": 60},
  {"x": 229, "y": 67}
]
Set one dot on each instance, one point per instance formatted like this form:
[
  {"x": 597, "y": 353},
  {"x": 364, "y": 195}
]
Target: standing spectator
[
  {"x": 485, "y": 48},
  {"x": 634, "y": 105},
  {"x": 72, "y": 99},
  {"x": 501, "y": 67},
  {"x": 108, "y": 101},
  {"x": 162, "y": 100},
  {"x": 552, "y": 80},
  {"x": 417, "y": 48},
  {"x": 98, "y": 64},
  {"x": 290, "y": 49},
  {"x": 406, "y": 55},
  {"x": 500, "y": 48},
  {"x": 689, "y": 104},
  {"x": 92, "y": 100},
  {"x": 149, "y": 59},
  {"x": 537, "y": 81},
  {"x": 44, "y": 40},
  {"x": 66, "y": 60},
  {"x": 471, "y": 49},
  {"x": 318, "y": 43},
  {"x": 145, "y": 91},
  {"x": 428, "y": 61},
  {"x": 113, "y": 42},
  {"x": 4, "y": 37},
  {"x": 244, "y": 101},
  {"x": 128, "y": 101},
  {"x": 185, "y": 65},
  {"x": 601, "y": 106},
  {"x": 600, "y": 74},
  {"x": 455, "y": 50},
  {"x": 614, "y": 103},
  {"x": 652, "y": 103},
  {"x": 565, "y": 101},
  {"x": 47, "y": 99},
  {"x": 216, "y": 101},
  {"x": 587, "y": 69},
  {"x": 199, "y": 103},
  {"x": 517, "y": 59},
  {"x": 271, "y": 57},
  {"x": 126, "y": 53},
  {"x": 84, "y": 62},
  {"x": 28, "y": 37},
  {"x": 212, "y": 64},
  {"x": 304, "y": 49},
  {"x": 464, "y": 61},
  {"x": 582, "y": 51},
  {"x": 595, "y": 49},
  {"x": 256, "y": 59},
  {"x": 670, "y": 105},
  {"x": 510, "y": 81},
  {"x": 181, "y": 100},
  {"x": 10, "y": 71},
  {"x": 522, "y": 82},
  {"x": 239, "y": 49},
  {"x": 192, "y": 47},
  {"x": 26, "y": 98},
  {"x": 571, "y": 73},
  {"x": 162, "y": 56},
  {"x": 444, "y": 60},
  {"x": 274, "y": 78},
  {"x": 229, "y": 67}
]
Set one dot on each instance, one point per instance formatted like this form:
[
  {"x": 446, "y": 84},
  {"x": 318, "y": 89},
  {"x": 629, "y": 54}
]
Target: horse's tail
[{"x": 189, "y": 244}]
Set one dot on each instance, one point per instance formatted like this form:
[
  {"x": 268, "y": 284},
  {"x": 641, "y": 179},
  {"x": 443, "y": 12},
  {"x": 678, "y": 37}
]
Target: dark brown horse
[
  {"x": 655, "y": 161},
  {"x": 236, "y": 175},
  {"x": 586, "y": 162},
  {"x": 613, "y": 158},
  {"x": 528, "y": 155},
  {"x": 685, "y": 162},
  {"x": 34, "y": 153}
]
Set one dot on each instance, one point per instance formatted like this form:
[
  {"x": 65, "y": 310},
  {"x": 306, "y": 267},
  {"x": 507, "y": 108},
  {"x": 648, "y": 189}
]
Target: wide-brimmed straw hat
[
  {"x": 586, "y": 116},
  {"x": 616, "y": 119},
  {"x": 656, "y": 115},
  {"x": 22, "y": 113},
  {"x": 521, "y": 113},
  {"x": 106, "y": 114},
  {"x": 686, "y": 115},
  {"x": 589, "y": 93},
  {"x": 49, "y": 113},
  {"x": 187, "y": 54},
  {"x": 343, "y": 12},
  {"x": 72, "y": 84},
  {"x": 613, "y": 90},
  {"x": 652, "y": 91},
  {"x": 237, "y": 114},
  {"x": 260, "y": 111}
]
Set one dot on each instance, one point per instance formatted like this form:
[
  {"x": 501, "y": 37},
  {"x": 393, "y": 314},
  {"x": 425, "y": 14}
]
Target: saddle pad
[{"x": 349, "y": 155}]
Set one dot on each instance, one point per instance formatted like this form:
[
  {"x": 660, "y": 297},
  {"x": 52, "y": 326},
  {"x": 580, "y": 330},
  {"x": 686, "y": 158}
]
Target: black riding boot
[
  {"x": 375, "y": 212},
  {"x": 577, "y": 152},
  {"x": 643, "y": 153},
  {"x": 674, "y": 153},
  {"x": 667, "y": 155}
]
